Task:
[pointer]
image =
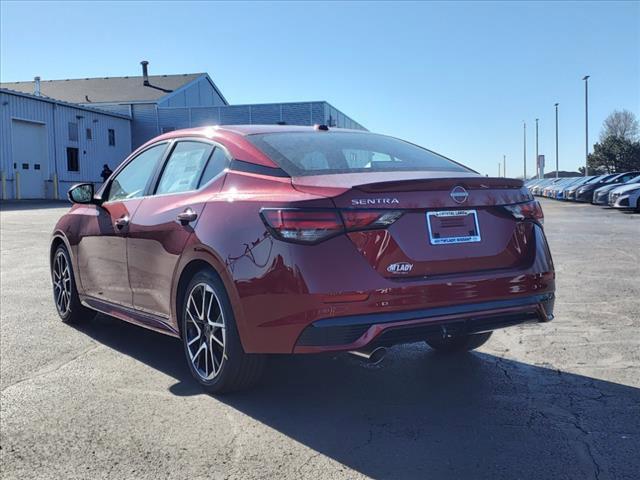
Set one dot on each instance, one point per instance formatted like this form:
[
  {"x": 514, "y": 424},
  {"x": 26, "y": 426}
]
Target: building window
[
  {"x": 89, "y": 134},
  {"x": 112, "y": 137},
  {"x": 72, "y": 159},
  {"x": 73, "y": 132}
]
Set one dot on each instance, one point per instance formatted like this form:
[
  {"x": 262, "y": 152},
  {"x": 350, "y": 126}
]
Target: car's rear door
[
  {"x": 164, "y": 221},
  {"x": 102, "y": 250}
]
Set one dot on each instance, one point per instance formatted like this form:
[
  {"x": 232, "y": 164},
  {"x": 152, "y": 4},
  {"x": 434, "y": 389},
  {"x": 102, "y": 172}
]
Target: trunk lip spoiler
[{"x": 469, "y": 183}]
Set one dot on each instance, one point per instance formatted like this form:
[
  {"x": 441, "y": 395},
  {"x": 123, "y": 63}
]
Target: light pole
[
  {"x": 504, "y": 165},
  {"x": 537, "y": 159},
  {"x": 524, "y": 124},
  {"x": 586, "y": 124},
  {"x": 557, "y": 167},
  {"x": 499, "y": 168}
]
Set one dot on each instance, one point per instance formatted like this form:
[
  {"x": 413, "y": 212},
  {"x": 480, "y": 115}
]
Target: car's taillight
[
  {"x": 308, "y": 226},
  {"x": 527, "y": 211},
  {"x": 312, "y": 226}
]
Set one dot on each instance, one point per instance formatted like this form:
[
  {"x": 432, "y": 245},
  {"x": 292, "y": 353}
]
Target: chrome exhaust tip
[{"x": 373, "y": 356}]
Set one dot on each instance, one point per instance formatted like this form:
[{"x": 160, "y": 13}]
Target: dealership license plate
[{"x": 453, "y": 226}]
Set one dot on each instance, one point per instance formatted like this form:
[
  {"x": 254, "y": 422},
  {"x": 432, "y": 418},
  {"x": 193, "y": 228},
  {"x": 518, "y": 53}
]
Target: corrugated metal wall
[
  {"x": 197, "y": 94},
  {"x": 335, "y": 118},
  {"x": 144, "y": 123},
  {"x": 93, "y": 153},
  {"x": 122, "y": 109},
  {"x": 150, "y": 121}
]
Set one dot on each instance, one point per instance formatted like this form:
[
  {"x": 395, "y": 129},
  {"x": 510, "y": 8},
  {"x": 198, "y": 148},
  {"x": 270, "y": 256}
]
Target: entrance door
[{"x": 29, "y": 149}]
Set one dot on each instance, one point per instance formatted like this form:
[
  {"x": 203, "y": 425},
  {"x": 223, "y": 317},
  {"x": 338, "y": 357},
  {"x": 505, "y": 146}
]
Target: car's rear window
[{"x": 321, "y": 153}]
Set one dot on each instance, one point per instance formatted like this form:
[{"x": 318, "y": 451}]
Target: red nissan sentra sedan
[{"x": 249, "y": 240}]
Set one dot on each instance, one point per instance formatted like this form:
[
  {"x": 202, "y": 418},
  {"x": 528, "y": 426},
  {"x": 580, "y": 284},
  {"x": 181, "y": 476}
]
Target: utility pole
[
  {"x": 586, "y": 124},
  {"x": 504, "y": 165},
  {"x": 557, "y": 167},
  {"x": 537, "y": 159},
  {"x": 525, "y": 149}
]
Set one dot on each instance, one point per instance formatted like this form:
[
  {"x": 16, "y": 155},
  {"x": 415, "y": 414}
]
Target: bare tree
[{"x": 622, "y": 124}]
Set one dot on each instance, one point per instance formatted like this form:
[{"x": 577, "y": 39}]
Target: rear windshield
[{"x": 321, "y": 153}]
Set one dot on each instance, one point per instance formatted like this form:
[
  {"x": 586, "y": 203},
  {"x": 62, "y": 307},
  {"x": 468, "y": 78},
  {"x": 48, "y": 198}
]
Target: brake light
[
  {"x": 527, "y": 211},
  {"x": 312, "y": 226},
  {"x": 308, "y": 226}
]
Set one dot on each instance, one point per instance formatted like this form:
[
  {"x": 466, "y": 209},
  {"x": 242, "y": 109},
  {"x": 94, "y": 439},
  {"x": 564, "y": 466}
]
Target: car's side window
[
  {"x": 132, "y": 180},
  {"x": 184, "y": 167},
  {"x": 217, "y": 163}
]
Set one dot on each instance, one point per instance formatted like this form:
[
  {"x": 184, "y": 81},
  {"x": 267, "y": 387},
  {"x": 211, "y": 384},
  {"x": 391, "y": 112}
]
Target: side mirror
[{"x": 81, "y": 193}]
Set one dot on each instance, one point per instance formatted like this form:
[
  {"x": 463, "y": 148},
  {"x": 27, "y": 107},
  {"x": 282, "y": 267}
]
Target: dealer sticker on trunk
[{"x": 453, "y": 226}]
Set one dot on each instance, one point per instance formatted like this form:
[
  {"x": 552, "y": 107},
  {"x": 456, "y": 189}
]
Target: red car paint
[{"x": 278, "y": 289}]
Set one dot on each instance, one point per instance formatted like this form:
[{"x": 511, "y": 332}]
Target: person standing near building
[{"x": 106, "y": 172}]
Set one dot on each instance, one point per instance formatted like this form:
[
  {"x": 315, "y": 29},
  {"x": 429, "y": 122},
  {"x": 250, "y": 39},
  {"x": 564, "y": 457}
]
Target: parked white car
[{"x": 625, "y": 196}]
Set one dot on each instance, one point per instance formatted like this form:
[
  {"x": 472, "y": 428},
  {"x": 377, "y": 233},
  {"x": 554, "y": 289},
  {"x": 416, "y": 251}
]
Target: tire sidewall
[
  {"x": 73, "y": 297},
  {"x": 233, "y": 347}
]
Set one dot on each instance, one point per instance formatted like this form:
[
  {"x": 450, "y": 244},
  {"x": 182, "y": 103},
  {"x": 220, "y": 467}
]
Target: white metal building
[
  {"x": 67, "y": 129},
  {"x": 43, "y": 140},
  {"x": 138, "y": 97}
]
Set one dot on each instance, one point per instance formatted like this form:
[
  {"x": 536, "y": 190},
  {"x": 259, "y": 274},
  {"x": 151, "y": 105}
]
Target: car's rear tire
[
  {"x": 65, "y": 292},
  {"x": 210, "y": 338},
  {"x": 462, "y": 343}
]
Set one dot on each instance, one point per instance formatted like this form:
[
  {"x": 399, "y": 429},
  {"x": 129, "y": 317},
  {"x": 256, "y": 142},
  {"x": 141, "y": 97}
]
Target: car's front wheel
[
  {"x": 461, "y": 343},
  {"x": 65, "y": 292},
  {"x": 210, "y": 337}
]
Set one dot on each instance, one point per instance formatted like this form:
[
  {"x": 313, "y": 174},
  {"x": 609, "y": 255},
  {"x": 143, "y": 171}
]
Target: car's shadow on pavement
[{"x": 422, "y": 415}]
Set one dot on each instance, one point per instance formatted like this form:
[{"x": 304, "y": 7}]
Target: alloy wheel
[
  {"x": 61, "y": 283},
  {"x": 205, "y": 331}
]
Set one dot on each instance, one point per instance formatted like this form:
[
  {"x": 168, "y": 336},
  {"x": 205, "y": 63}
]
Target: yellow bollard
[
  {"x": 3, "y": 178},
  {"x": 55, "y": 186},
  {"x": 17, "y": 186}
]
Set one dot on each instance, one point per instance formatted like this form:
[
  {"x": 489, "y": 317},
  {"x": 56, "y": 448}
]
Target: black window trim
[{"x": 249, "y": 167}]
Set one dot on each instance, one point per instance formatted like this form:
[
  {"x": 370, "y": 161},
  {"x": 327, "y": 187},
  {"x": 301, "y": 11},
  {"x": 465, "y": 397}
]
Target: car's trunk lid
[{"x": 450, "y": 224}]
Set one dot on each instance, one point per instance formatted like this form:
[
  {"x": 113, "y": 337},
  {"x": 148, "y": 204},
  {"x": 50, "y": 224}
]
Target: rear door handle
[
  {"x": 187, "y": 216},
  {"x": 122, "y": 222}
]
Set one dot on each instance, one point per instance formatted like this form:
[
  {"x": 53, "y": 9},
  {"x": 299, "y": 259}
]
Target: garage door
[{"x": 29, "y": 148}]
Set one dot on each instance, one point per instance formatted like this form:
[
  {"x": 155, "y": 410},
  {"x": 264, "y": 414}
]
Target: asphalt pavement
[{"x": 111, "y": 400}]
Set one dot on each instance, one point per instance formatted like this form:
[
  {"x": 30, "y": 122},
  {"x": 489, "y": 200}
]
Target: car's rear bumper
[
  {"x": 358, "y": 331},
  {"x": 332, "y": 283}
]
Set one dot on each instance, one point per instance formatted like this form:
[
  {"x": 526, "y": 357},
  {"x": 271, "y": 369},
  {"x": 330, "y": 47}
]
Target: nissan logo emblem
[{"x": 459, "y": 194}]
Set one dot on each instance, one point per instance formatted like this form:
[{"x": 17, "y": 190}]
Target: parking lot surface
[{"x": 111, "y": 400}]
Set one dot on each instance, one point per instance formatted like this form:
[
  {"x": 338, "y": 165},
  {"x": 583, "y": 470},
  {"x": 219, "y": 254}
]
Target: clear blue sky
[{"x": 457, "y": 78}]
